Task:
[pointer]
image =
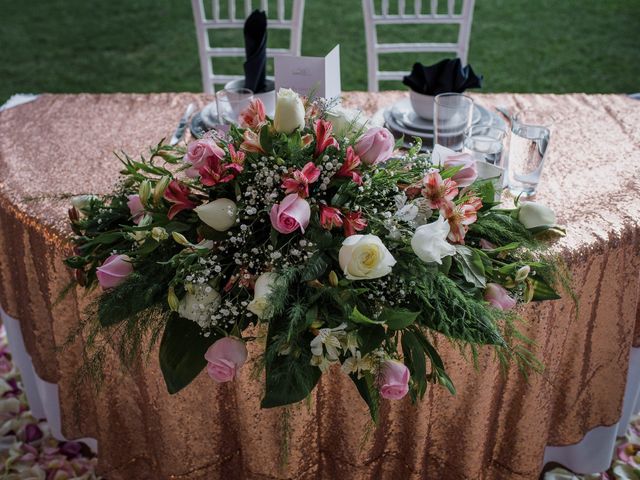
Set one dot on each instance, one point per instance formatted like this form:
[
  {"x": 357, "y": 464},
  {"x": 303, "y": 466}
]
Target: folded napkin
[
  {"x": 255, "y": 46},
  {"x": 445, "y": 76}
]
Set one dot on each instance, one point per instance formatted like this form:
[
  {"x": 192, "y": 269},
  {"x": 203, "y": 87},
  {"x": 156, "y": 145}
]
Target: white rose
[
  {"x": 289, "y": 111},
  {"x": 220, "y": 214},
  {"x": 260, "y": 304},
  {"x": 533, "y": 215},
  {"x": 365, "y": 257},
  {"x": 429, "y": 241},
  {"x": 346, "y": 120},
  {"x": 82, "y": 202},
  {"x": 198, "y": 304}
]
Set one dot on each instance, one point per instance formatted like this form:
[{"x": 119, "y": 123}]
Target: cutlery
[{"x": 182, "y": 124}]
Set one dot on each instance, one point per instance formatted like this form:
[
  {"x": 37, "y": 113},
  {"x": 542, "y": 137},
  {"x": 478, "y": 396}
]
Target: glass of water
[
  {"x": 230, "y": 102},
  {"x": 530, "y": 135},
  {"x": 485, "y": 143},
  {"x": 452, "y": 114}
]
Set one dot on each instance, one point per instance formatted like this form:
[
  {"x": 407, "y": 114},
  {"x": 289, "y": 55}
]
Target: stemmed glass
[{"x": 230, "y": 102}]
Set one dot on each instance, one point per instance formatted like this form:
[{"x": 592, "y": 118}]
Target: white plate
[{"x": 404, "y": 115}]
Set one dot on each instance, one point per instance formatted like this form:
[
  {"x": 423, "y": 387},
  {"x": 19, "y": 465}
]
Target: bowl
[
  {"x": 268, "y": 97},
  {"x": 422, "y": 104}
]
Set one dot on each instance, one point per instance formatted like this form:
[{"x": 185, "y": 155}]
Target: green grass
[{"x": 150, "y": 45}]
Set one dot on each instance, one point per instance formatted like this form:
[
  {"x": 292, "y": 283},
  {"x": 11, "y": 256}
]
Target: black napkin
[
  {"x": 255, "y": 46},
  {"x": 447, "y": 75}
]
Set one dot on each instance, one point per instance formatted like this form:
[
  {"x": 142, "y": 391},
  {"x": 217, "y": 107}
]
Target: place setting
[{"x": 296, "y": 273}]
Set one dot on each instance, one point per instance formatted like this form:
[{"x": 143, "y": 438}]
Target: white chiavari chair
[
  {"x": 233, "y": 18},
  {"x": 415, "y": 15}
]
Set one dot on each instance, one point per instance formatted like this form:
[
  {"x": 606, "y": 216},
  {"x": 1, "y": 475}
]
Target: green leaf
[
  {"x": 542, "y": 290},
  {"x": 314, "y": 268},
  {"x": 289, "y": 380},
  {"x": 470, "y": 263},
  {"x": 371, "y": 337},
  {"x": 358, "y": 317},
  {"x": 367, "y": 389},
  {"x": 265, "y": 139},
  {"x": 398, "y": 318},
  {"x": 415, "y": 360},
  {"x": 182, "y": 352}
]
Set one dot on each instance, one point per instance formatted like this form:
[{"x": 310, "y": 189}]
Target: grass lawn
[{"x": 150, "y": 45}]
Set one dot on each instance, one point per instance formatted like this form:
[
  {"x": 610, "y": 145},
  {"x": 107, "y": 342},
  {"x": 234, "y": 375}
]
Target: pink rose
[
  {"x": 198, "y": 153},
  {"x": 395, "y": 380},
  {"x": 468, "y": 173},
  {"x": 114, "y": 271},
  {"x": 135, "y": 208},
  {"x": 498, "y": 296},
  {"x": 375, "y": 146},
  {"x": 225, "y": 358},
  {"x": 292, "y": 213}
]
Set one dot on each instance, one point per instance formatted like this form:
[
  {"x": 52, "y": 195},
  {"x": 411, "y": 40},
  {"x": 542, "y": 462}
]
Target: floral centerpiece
[{"x": 305, "y": 233}]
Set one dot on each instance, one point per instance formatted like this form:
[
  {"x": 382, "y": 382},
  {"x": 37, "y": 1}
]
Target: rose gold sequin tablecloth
[{"x": 496, "y": 427}]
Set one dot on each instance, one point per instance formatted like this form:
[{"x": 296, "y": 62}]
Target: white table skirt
[
  {"x": 42, "y": 396},
  {"x": 594, "y": 452}
]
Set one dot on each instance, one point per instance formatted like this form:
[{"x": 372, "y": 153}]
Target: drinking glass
[
  {"x": 485, "y": 143},
  {"x": 452, "y": 114},
  {"x": 230, "y": 102},
  {"x": 530, "y": 135}
]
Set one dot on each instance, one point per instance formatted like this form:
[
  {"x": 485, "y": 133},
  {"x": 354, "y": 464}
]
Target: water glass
[
  {"x": 230, "y": 102},
  {"x": 530, "y": 135},
  {"x": 485, "y": 143},
  {"x": 452, "y": 114}
]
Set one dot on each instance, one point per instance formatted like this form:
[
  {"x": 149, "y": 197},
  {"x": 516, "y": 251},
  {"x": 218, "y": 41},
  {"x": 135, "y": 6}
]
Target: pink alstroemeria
[
  {"x": 330, "y": 217},
  {"x": 348, "y": 168},
  {"x": 307, "y": 140},
  {"x": 178, "y": 194},
  {"x": 299, "y": 180},
  {"x": 353, "y": 222},
  {"x": 324, "y": 140},
  {"x": 237, "y": 156},
  {"x": 438, "y": 192},
  {"x": 214, "y": 172},
  {"x": 251, "y": 142},
  {"x": 254, "y": 115},
  {"x": 460, "y": 217}
]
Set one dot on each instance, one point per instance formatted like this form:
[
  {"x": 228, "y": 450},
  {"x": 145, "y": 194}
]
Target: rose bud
[
  {"x": 114, "y": 271},
  {"x": 498, "y": 297},
  {"x": 289, "y": 111},
  {"x": 225, "y": 357},
  {"x": 375, "y": 146},
  {"x": 394, "y": 383}
]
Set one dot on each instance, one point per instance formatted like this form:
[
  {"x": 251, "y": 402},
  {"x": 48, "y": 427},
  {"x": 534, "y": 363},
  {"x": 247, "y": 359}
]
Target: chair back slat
[
  {"x": 229, "y": 20},
  {"x": 281, "y": 10},
  {"x": 462, "y": 19},
  {"x": 385, "y": 8}
]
